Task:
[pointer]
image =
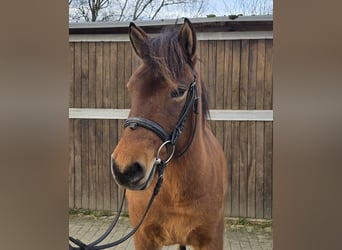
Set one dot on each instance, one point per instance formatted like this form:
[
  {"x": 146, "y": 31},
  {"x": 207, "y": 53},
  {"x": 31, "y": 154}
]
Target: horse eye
[
  {"x": 181, "y": 91},
  {"x": 178, "y": 92}
]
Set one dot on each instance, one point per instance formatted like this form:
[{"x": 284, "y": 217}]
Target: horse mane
[{"x": 167, "y": 59}]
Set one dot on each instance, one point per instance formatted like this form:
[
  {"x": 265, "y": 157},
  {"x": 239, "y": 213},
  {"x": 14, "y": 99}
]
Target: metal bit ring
[{"x": 171, "y": 154}]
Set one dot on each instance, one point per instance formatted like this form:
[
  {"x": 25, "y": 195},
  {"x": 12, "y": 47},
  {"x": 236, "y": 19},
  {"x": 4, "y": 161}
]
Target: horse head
[{"x": 159, "y": 89}]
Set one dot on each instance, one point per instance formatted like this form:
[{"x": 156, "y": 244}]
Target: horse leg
[
  {"x": 150, "y": 237},
  {"x": 215, "y": 244},
  {"x": 210, "y": 239},
  {"x": 141, "y": 243}
]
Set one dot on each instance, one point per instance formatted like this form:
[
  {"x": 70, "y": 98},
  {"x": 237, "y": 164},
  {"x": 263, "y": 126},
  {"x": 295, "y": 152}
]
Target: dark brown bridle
[
  {"x": 169, "y": 141},
  {"x": 171, "y": 138}
]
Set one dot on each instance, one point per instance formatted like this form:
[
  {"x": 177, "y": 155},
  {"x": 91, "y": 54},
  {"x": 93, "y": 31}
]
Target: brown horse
[{"x": 189, "y": 208}]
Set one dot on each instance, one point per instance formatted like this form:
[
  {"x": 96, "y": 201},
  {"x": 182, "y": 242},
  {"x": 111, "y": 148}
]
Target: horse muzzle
[{"x": 134, "y": 176}]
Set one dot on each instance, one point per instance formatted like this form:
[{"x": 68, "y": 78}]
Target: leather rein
[{"x": 169, "y": 141}]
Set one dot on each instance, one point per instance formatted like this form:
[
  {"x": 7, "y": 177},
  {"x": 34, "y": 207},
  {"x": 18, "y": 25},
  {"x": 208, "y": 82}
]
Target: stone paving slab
[{"x": 237, "y": 237}]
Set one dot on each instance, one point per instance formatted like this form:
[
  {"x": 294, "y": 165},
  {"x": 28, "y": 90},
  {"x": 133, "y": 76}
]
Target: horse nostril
[{"x": 132, "y": 174}]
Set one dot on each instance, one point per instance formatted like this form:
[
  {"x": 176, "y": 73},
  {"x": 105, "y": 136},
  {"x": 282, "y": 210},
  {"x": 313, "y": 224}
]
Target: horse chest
[
  {"x": 178, "y": 224},
  {"x": 178, "y": 229}
]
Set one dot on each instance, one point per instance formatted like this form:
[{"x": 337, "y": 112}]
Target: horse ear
[
  {"x": 138, "y": 39},
  {"x": 187, "y": 38}
]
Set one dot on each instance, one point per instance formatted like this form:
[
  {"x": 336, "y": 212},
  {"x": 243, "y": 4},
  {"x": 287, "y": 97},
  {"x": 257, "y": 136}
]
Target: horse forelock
[
  {"x": 167, "y": 60},
  {"x": 166, "y": 56}
]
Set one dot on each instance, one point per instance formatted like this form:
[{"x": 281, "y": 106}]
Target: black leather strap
[
  {"x": 94, "y": 245},
  {"x": 191, "y": 101},
  {"x": 133, "y": 122}
]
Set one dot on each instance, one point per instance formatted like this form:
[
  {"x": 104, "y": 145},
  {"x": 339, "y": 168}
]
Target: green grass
[{"x": 243, "y": 223}]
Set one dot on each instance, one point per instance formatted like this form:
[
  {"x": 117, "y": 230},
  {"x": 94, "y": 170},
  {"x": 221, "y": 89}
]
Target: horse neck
[{"x": 183, "y": 172}]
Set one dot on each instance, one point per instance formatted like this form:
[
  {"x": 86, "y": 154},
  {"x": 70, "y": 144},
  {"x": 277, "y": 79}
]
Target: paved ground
[{"x": 237, "y": 237}]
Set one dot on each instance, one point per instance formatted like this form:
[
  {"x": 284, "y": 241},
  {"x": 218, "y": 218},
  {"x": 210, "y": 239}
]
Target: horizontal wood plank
[
  {"x": 238, "y": 35},
  {"x": 215, "y": 114}
]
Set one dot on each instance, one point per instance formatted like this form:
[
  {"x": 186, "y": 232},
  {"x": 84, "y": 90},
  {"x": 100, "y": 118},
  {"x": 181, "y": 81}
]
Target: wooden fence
[{"x": 237, "y": 71}]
